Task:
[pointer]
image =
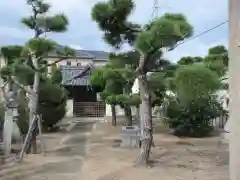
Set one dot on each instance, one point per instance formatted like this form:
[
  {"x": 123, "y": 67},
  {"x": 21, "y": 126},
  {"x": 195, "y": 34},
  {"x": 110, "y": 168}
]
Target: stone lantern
[{"x": 11, "y": 114}]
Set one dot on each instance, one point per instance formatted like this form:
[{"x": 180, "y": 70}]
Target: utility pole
[
  {"x": 156, "y": 8},
  {"x": 234, "y": 90}
]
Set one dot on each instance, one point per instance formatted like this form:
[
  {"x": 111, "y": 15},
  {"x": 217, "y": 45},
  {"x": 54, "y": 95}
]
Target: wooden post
[
  {"x": 39, "y": 121},
  {"x": 234, "y": 90},
  {"x": 28, "y": 138},
  {"x": 36, "y": 121}
]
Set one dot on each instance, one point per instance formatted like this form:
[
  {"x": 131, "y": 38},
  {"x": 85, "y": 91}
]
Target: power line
[{"x": 200, "y": 34}]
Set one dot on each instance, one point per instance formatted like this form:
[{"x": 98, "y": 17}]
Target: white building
[{"x": 71, "y": 65}]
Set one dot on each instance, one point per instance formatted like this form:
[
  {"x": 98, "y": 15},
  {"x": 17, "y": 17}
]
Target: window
[{"x": 68, "y": 63}]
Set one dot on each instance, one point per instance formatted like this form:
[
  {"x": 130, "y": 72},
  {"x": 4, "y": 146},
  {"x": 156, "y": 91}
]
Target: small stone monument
[{"x": 130, "y": 137}]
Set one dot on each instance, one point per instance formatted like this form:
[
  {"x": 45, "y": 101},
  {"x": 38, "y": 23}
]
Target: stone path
[{"x": 64, "y": 156}]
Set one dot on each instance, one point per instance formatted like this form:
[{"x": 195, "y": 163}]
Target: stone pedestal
[{"x": 130, "y": 137}]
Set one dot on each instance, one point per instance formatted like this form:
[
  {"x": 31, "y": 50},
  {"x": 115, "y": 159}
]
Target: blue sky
[{"x": 83, "y": 33}]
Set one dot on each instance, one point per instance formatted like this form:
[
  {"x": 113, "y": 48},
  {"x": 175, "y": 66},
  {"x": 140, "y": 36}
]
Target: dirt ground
[
  {"x": 173, "y": 158},
  {"x": 64, "y": 155},
  {"x": 86, "y": 154}
]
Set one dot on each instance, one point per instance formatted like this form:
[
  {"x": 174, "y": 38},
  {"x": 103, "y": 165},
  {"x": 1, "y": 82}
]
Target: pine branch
[{"x": 26, "y": 89}]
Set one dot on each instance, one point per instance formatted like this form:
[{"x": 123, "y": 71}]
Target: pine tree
[
  {"x": 28, "y": 66},
  {"x": 149, "y": 40},
  {"x": 38, "y": 47}
]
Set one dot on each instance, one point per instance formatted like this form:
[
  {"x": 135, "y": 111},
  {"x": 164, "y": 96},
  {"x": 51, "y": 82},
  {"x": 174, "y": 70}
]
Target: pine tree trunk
[
  {"x": 34, "y": 105},
  {"x": 145, "y": 118},
  {"x": 130, "y": 122},
  {"x": 146, "y": 121},
  {"x": 128, "y": 115},
  {"x": 114, "y": 118},
  {"x": 30, "y": 143}
]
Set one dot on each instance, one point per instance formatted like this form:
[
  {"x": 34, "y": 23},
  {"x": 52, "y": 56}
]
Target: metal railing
[{"x": 89, "y": 109}]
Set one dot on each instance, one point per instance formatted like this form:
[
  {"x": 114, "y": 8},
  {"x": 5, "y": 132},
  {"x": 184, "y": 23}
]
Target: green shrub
[
  {"x": 195, "y": 104},
  {"x": 193, "y": 120},
  {"x": 53, "y": 99}
]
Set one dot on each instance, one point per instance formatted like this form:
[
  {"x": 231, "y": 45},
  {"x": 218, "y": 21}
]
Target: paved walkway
[{"x": 63, "y": 160}]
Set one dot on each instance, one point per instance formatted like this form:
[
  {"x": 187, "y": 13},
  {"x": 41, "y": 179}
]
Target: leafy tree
[
  {"x": 195, "y": 103},
  {"x": 164, "y": 32}
]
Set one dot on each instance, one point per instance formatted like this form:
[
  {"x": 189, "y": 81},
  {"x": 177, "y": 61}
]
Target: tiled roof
[
  {"x": 91, "y": 54},
  {"x": 101, "y": 55},
  {"x": 70, "y": 73}
]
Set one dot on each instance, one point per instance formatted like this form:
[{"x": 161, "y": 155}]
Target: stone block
[{"x": 130, "y": 137}]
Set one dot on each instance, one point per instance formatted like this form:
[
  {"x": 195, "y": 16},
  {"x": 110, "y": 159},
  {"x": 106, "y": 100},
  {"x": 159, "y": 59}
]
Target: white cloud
[
  {"x": 14, "y": 33},
  {"x": 201, "y": 14},
  {"x": 65, "y": 6},
  {"x": 193, "y": 48},
  {"x": 75, "y": 46},
  {"x": 12, "y": 4},
  {"x": 72, "y": 6}
]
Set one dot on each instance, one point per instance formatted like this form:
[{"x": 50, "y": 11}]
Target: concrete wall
[{"x": 119, "y": 111}]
